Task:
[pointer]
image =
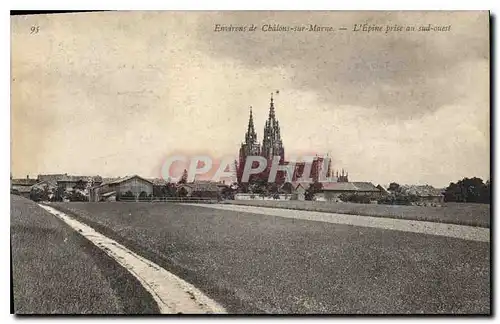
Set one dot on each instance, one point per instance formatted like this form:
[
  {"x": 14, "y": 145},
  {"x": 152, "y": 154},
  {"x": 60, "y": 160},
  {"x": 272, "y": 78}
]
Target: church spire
[
  {"x": 250, "y": 122},
  {"x": 249, "y": 147},
  {"x": 251, "y": 135},
  {"x": 271, "y": 108},
  {"x": 272, "y": 144}
]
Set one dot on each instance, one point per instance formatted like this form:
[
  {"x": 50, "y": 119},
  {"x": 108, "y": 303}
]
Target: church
[{"x": 272, "y": 145}]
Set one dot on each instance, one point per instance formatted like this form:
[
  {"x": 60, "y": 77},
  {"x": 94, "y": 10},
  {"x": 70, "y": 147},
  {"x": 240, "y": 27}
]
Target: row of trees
[
  {"x": 167, "y": 191},
  {"x": 397, "y": 196},
  {"x": 467, "y": 190},
  {"x": 262, "y": 188},
  {"x": 47, "y": 193},
  {"x": 470, "y": 190}
]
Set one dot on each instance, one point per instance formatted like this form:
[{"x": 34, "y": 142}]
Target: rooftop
[
  {"x": 203, "y": 186},
  {"x": 421, "y": 191},
  {"x": 120, "y": 180},
  {"x": 350, "y": 186},
  {"x": 23, "y": 182},
  {"x": 68, "y": 178}
]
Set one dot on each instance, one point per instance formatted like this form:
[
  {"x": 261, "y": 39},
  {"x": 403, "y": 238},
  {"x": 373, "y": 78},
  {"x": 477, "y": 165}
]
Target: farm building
[
  {"x": 425, "y": 194},
  {"x": 51, "y": 177},
  {"x": 299, "y": 192},
  {"x": 22, "y": 186},
  {"x": 44, "y": 185},
  {"x": 135, "y": 185},
  {"x": 383, "y": 191},
  {"x": 159, "y": 186},
  {"x": 333, "y": 190},
  {"x": 203, "y": 189},
  {"x": 68, "y": 182}
]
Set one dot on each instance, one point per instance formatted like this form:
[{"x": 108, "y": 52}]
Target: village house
[
  {"x": 134, "y": 184},
  {"x": 299, "y": 192},
  {"x": 68, "y": 182},
  {"x": 159, "y": 185},
  {"x": 51, "y": 177},
  {"x": 425, "y": 194},
  {"x": 22, "y": 187},
  {"x": 202, "y": 189},
  {"x": 331, "y": 191},
  {"x": 383, "y": 191}
]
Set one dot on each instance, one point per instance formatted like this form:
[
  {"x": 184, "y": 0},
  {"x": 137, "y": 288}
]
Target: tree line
[{"x": 469, "y": 190}]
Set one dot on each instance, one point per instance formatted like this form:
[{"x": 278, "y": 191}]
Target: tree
[
  {"x": 273, "y": 188},
  {"x": 159, "y": 190},
  {"x": 487, "y": 192},
  {"x": 36, "y": 194},
  {"x": 313, "y": 189},
  {"x": 182, "y": 192},
  {"x": 237, "y": 171},
  {"x": 80, "y": 185},
  {"x": 60, "y": 194},
  {"x": 287, "y": 188},
  {"x": 259, "y": 186},
  {"x": 470, "y": 190},
  {"x": 143, "y": 195},
  {"x": 354, "y": 198},
  {"x": 184, "y": 177},
  {"x": 127, "y": 196},
  {"x": 170, "y": 190},
  {"x": 227, "y": 193},
  {"x": 243, "y": 187},
  {"x": 43, "y": 193},
  {"x": 77, "y": 195},
  {"x": 394, "y": 187}
]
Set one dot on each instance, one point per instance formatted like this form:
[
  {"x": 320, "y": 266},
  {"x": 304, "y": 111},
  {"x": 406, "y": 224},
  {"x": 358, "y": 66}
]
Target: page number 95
[{"x": 35, "y": 29}]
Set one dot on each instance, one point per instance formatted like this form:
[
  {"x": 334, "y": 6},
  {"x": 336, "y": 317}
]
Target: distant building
[
  {"x": 425, "y": 194},
  {"x": 332, "y": 191},
  {"x": 22, "y": 187},
  {"x": 300, "y": 191},
  {"x": 202, "y": 189},
  {"x": 159, "y": 185},
  {"x": 134, "y": 184},
  {"x": 51, "y": 177},
  {"x": 383, "y": 191},
  {"x": 159, "y": 181},
  {"x": 68, "y": 182}
]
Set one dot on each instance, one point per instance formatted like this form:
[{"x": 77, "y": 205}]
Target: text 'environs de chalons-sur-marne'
[{"x": 273, "y": 28}]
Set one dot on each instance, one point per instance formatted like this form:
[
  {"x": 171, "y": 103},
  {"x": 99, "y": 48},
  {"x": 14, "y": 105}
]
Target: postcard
[{"x": 251, "y": 162}]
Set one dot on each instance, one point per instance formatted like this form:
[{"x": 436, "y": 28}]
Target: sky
[{"x": 117, "y": 93}]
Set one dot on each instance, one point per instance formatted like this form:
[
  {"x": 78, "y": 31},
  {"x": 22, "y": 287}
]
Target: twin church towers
[{"x": 272, "y": 145}]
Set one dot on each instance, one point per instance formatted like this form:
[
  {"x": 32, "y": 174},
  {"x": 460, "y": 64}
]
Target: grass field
[
  {"x": 57, "y": 271},
  {"x": 452, "y": 213},
  {"x": 254, "y": 263}
]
